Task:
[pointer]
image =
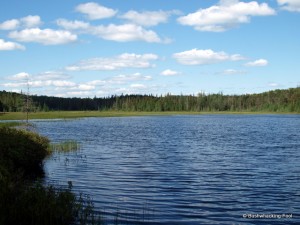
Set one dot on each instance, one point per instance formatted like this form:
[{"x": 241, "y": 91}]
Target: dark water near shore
[{"x": 207, "y": 169}]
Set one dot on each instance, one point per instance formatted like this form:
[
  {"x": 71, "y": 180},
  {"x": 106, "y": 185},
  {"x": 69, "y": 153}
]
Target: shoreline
[{"x": 82, "y": 114}]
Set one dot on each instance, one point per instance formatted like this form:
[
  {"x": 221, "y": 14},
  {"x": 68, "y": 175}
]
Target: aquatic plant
[{"x": 65, "y": 146}]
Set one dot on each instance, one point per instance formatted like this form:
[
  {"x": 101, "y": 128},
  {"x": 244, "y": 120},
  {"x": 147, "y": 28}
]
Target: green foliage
[
  {"x": 271, "y": 101},
  {"x": 27, "y": 202},
  {"x": 11, "y": 124},
  {"x": 22, "y": 150}
]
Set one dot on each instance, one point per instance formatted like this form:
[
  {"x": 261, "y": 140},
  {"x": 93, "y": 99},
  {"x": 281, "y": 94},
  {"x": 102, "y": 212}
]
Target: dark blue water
[{"x": 207, "y": 169}]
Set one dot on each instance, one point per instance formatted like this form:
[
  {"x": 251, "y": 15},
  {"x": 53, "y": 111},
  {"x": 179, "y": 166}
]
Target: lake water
[{"x": 206, "y": 169}]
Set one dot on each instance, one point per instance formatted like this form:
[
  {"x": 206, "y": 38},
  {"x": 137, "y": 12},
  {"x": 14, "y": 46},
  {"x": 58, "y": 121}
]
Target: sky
[{"x": 102, "y": 48}]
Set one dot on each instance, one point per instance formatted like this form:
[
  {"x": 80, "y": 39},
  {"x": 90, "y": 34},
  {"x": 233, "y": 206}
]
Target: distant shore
[{"x": 82, "y": 114}]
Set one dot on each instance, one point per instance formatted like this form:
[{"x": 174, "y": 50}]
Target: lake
[{"x": 202, "y": 169}]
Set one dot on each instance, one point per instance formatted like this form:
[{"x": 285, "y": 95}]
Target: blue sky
[{"x": 102, "y": 48}]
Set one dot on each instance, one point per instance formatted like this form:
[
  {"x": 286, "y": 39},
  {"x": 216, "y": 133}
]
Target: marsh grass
[
  {"x": 65, "y": 146},
  {"x": 11, "y": 124},
  {"x": 82, "y": 114}
]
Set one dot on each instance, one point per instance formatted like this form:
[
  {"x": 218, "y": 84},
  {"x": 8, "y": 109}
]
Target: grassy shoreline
[{"x": 81, "y": 114}]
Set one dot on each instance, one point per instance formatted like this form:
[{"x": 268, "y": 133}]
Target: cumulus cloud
[
  {"x": 290, "y": 5},
  {"x": 9, "y": 24},
  {"x": 19, "y": 76},
  {"x": 52, "y": 75},
  {"x": 14, "y": 85},
  {"x": 60, "y": 83},
  {"x": 26, "y": 22},
  {"x": 226, "y": 15},
  {"x": 125, "y": 60},
  {"x": 232, "y": 72},
  {"x": 49, "y": 78},
  {"x": 9, "y": 46},
  {"x": 203, "y": 57},
  {"x": 120, "y": 79},
  {"x": 73, "y": 25},
  {"x": 31, "y": 21},
  {"x": 125, "y": 32},
  {"x": 259, "y": 62},
  {"x": 138, "y": 86},
  {"x": 97, "y": 82},
  {"x": 113, "y": 32},
  {"x": 85, "y": 87},
  {"x": 41, "y": 83},
  {"x": 94, "y": 11},
  {"x": 45, "y": 36},
  {"x": 75, "y": 94},
  {"x": 148, "y": 18},
  {"x": 169, "y": 72}
]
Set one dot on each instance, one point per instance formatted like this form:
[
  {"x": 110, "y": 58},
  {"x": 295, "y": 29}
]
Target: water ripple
[{"x": 183, "y": 169}]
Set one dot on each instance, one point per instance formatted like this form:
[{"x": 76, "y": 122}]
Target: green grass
[
  {"x": 80, "y": 114},
  {"x": 11, "y": 124}
]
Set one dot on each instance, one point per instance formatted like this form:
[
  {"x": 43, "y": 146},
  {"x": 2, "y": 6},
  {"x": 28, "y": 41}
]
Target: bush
[{"x": 22, "y": 150}]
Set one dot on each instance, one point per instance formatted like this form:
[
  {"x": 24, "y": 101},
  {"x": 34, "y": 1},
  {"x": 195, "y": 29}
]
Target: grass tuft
[{"x": 65, "y": 146}]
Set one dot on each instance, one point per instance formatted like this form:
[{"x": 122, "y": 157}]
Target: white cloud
[
  {"x": 290, "y": 5},
  {"x": 31, "y": 21},
  {"x": 76, "y": 94},
  {"x": 9, "y": 24},
  {"x": 119, "y": 33},
  {"x": 73, "y": 25},
  {"x": 120, "y": 79},
  {"x": 169, "y": 72},
  {"x": 27, "y": 22},
  {"x": 259, "y": 62},
  {"x": 85, "y": 87},
  {"x": 8, "y": 46},
  {"x": 62, "y": 83},
  {"x": 125, "y": 60},
  {"x": 148, "y": 18},
  {"x": 14, "y": 85},
  {"x": 94, "y": 11},
  {"x": 232, "y": 72},
  {"x": 52, "y": 75},
  {"x": 97, "y": 83},
  {"x": 273, "y": 85},
  {"x": 55, "y": 79},
  {"x": 125, "y": 32},
  {"x": 227, "y": 14},
  {"x": 45, "y": 37},
  {"x": 203, "y": 57},
  {"x": 19, "y": 76},
  {"x": 138, "y": 86}
]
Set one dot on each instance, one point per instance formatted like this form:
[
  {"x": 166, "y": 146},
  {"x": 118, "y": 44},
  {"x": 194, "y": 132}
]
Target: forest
[{"x": 285, "y": 100}]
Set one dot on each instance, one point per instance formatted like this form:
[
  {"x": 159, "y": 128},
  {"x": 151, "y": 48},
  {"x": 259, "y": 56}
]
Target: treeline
[{"x": 272, "y": 101}]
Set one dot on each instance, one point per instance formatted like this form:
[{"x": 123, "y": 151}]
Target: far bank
[{"x": 81, "y": 114}]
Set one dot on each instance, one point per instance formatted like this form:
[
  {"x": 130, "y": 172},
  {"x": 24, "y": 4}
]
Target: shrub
[{"x": 22, "y": 150}]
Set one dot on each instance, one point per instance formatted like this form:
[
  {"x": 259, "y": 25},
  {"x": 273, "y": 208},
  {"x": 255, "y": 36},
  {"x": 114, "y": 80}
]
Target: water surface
[{"x": 206, "y": 169}]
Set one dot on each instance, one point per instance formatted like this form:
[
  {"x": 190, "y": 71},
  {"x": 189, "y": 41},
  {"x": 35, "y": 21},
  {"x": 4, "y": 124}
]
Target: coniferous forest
[{"x": 287, "y": 100}]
